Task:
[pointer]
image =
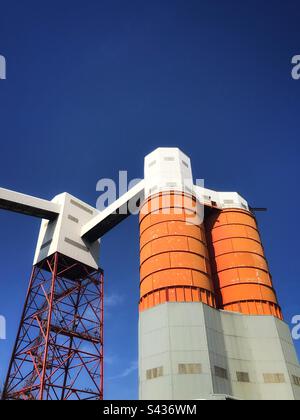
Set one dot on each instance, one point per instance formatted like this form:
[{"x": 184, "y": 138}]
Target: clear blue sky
[{"x": 93, "y": 86}]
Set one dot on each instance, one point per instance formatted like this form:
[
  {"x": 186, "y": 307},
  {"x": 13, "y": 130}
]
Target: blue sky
[{"x": 92, "y": 87}]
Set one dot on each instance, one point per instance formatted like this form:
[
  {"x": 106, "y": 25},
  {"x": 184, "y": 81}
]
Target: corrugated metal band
[
  {"x": 174, "y": 257},
  {"x": 240, "y": 270},
  {"x": 176, "y": 294}
]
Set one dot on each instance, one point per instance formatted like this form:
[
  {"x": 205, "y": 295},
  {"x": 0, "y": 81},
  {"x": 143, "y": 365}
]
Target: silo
[
  {"x": 241, "y": 275},
  {"x": 189, "y": 347},
  {"x": 175, "y": 282},
  {"x": 175, "y": 263}
]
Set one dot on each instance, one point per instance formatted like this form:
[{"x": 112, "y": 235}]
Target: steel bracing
[{"x": 58, "y": 354}]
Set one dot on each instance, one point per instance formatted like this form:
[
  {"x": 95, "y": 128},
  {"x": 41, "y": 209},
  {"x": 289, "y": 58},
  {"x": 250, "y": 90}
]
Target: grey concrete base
[{"x": 215, "y": 345}]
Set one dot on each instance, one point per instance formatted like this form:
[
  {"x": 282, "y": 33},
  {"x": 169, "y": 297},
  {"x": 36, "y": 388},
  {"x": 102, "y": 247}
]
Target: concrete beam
[
  {"x": 28, "y": 205},
  {"x": 114, "y": 214}
]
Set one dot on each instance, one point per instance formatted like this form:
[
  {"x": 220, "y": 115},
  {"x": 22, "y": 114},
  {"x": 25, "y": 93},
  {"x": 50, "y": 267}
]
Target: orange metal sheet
[
  {"x": 175, "y": 263},
  {"x": 242, "y": 275},
  {"x": 240, "y": 271},
  {"x": 240, "y": 259},
  {"x": 237, "y": 245},
  {"x": 245, "y": 292}
]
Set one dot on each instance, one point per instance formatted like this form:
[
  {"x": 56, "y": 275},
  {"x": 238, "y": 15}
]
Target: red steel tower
[{"x": 58, "y": 354}]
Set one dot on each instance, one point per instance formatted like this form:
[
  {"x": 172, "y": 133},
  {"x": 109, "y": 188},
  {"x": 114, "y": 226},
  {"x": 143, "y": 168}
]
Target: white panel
[
  {"x": 195, "y": 333},
  {"x": 26, "y": 204},
  {"x": 232, "y": 200},
  {"x": 64, "y": 234},
  {"x": 221, "y": 200},
  {"x": 167, "y": 169},
  {"x": 120, "y": 208}
]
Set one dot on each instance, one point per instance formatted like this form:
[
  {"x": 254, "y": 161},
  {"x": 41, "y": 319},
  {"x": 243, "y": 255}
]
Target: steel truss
[{"x": 58, "y": 353}]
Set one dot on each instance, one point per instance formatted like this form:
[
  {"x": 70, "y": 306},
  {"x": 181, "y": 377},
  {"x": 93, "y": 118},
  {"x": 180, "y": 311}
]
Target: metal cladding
[
  {"x": 175, "y": 263},
  {"x": 240, "y": 271}
]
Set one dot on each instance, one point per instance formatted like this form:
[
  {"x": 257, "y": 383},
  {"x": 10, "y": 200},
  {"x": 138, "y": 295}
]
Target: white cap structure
[
  {"x": 167, "y": 169},
  {"x": 63, "y": 234}
]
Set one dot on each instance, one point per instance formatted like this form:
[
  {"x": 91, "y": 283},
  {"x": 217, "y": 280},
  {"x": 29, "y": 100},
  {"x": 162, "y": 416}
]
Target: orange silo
[
  {"x": 240, "y": 271},
  {"x": 175, "y": 263}
]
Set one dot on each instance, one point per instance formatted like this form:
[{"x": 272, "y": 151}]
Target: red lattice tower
[{"x": 58, "y": 353}]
